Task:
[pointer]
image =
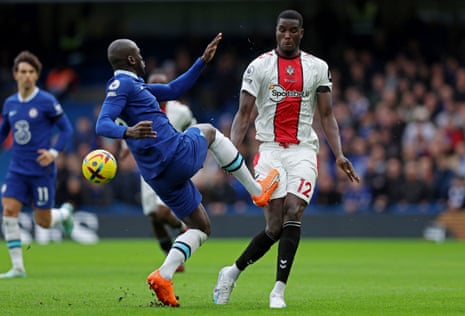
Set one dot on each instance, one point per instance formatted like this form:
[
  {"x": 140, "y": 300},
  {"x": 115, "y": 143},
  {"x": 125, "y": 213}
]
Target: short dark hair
[
  {"x": 291, "y": 14},
  {"x": 27, "y": 57}
]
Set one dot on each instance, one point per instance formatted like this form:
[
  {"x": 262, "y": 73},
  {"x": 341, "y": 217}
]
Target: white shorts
[
  {"x": 150, "y": 199},
  {"x": 297, "y": 165}
]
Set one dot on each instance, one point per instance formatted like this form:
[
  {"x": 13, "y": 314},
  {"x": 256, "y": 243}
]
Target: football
[{"x": 99, "y": 166}]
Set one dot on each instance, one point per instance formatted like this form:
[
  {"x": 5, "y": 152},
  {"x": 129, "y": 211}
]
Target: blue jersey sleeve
[
  {"x": 176, "y": 88},
  {"x": 118, "y": 91},
  {"x": 66, "y": 131},
  {"x": 5, "y": 125}
]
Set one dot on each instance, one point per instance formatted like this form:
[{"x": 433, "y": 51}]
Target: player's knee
[
  {"x": 274, "y": 230},
  {"x": 11, "y": 207},
  {"x": 163, "y": 212},
  {"x": 205, "y": 227},
  {"x": 293, "y": 211},
  {"x": 209, "y": 131},
  {"x": 155, "y": 218},
  {"x": 9, "y": 212},
  {"x": 42, "y": 221}
]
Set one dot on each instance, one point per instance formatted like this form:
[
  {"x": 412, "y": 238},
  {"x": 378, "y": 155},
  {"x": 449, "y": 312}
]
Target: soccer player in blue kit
[
  {"x": 32, "y": 114},
  {"x": 167, "y": 158}
]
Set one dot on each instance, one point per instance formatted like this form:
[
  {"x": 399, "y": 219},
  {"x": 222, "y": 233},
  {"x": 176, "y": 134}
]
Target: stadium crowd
[
  {"x": 401, "y": 122},
  {"x": 401, "y": 114}
]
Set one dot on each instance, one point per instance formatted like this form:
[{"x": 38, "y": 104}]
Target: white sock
[
  {"x": 233, "y": 272},
  {"x": 279, "y": 288},
  {"x": 229, "y": 158},
  {"x": 58, "y": 215},
  {"x": 183, "y": 247},
  {"x": 13, "y": 241}
]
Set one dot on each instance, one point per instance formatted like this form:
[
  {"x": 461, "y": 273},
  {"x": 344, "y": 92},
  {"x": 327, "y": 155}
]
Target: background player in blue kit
[
  {"x": 167, "y": 158},
  {"x": 31, "y": 114}
]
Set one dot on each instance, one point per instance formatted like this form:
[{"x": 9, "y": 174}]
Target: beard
[{"x": 140, "y": 69}]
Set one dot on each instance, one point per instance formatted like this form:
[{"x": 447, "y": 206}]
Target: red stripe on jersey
[{"x": 286, "y": 120}]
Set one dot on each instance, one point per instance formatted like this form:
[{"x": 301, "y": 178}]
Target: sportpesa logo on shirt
[{"x": 278, "y": 93}]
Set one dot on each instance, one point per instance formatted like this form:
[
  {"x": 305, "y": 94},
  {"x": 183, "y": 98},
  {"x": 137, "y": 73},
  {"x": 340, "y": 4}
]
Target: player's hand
[
  {"x": 143, "y": 129},
  {"x": 45, "y": 157},
  {"x": 211, "y": 48},
  {"x": 346, "y": 166}
]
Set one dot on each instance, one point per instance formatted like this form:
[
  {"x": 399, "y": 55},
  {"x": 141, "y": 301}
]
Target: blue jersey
[
  {"x": 129, "y": 98},
  {"x": 32, "y": 122}
]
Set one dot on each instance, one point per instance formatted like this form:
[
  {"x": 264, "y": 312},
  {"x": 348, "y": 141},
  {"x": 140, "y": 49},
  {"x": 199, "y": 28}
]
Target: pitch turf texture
[{"x": 330, "y": 277}]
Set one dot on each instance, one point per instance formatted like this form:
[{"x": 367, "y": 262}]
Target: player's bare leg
[
  {"x": 159, "y": 221},
  {"x": 10, "y": 223}
]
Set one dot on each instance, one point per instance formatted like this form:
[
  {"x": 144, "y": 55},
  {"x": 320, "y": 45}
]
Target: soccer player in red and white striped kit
[{"x": 286, "y": 85}]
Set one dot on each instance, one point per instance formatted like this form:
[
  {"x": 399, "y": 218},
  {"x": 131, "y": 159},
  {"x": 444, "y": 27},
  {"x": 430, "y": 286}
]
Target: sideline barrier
[{"x": 90, "y": 227}]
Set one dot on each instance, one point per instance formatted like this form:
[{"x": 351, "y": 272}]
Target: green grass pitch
[{"x": 329, "y": 277}]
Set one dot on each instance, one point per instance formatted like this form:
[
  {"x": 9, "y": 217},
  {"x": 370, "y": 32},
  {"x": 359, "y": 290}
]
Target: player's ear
[{"x": 131, "y": 60}]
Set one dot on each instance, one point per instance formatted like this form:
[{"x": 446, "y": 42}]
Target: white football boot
[
  {"x": 277, "y": 301},
  {"x": 223, "y": 288},
  {"x": 13, "y": 273}
]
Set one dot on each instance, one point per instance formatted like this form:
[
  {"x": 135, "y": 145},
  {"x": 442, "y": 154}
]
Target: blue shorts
[
  {"x": 174, "y": 185},
  {"x": 40, "y": 190}
]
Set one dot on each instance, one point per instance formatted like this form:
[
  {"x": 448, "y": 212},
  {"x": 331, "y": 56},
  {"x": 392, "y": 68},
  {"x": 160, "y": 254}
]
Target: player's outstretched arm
[{"x": 211, "y": 48}]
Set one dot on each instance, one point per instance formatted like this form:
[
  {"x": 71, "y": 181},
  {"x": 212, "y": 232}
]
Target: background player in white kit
[{"x": 286, "y": 85}]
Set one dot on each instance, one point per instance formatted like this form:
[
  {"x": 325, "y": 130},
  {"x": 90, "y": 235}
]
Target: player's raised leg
[{"x": 231, "y": 161}]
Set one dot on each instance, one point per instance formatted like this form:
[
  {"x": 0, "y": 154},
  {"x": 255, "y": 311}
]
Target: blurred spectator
[
  {"x": 126, "y": 184},
  {"x": 98, "y": 195},
  {"x": 413, "y": 189},
  {"x": 226, "y": 80},
  {"x": 62, "y": 176},
  {"x": 61, "y": 81},
  {"x": 73, "y": 191},
  {"x": 419, "y": 132},
  {"x": 69, "y": 180},
  {"x": 375, "y": 178},
  {"x": 443, "y": 175},
  {"x": 456, "y": 194},
  {"x": 327, "y": 194},
  {"x": 356, "y": 198},
  {"x": 394, "y": 179},
  {"x": 84, "y": 134},
  {"x": 358, "y": 155}
]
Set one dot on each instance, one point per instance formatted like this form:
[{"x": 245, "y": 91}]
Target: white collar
[
  {"x": 125, "y": 72},
  {"x": 29, "y": 98}
]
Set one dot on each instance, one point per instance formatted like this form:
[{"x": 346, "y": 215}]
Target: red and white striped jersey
[{"x": 285, "y": 92}]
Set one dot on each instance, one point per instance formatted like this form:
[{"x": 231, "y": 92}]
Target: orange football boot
[
  {"x": 269, "y": 184},
  {"x": 163, "y": 288}
]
